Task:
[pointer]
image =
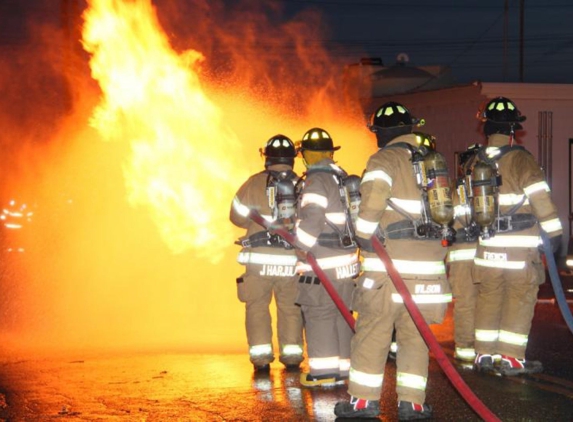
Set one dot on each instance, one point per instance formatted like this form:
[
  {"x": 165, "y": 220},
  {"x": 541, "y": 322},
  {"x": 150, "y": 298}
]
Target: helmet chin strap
[{"x": 511, "y": 134}]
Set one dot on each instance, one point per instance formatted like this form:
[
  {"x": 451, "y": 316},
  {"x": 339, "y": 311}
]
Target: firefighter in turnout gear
[
  {"x": 269, "y": 260},
  {"x": 460, "y": 262},
  {"x": 393, "y": 209},
  {"x": 508, "y": 267},
  {"x": 324, "y": 227}
]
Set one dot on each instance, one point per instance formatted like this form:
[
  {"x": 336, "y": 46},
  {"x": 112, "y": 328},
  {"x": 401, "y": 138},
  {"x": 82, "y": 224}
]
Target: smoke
[{"x": 96, "y": 272}]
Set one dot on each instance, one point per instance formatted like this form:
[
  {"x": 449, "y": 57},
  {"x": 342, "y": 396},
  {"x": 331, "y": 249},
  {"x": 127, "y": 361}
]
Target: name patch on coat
[
  {"x": 495, "y": 256},
  {"x": 278, "y": 270},
  {"x": 346, "y": 271},
  {"x": 424, "y": 289}
]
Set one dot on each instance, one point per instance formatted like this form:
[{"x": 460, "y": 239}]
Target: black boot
[
  {"x": 347, "y": 409},
  {"x": 408, "y": 411},
  {"x": 484, "y": 363},
  {"x": 513, "y": 366}
]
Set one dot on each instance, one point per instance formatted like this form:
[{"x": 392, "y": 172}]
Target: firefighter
[
  {"x": 324, "y": 228},
  {"x": 269, "y": 260},
  {"x": 391, "y": 209},
  {"x": 508, "y": 267},
  {"x": 460, "y": 261}
]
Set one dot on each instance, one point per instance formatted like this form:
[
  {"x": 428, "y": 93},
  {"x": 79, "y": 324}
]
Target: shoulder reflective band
[
  {"x": 461, "y": 255},
  {"x": 262, "y": 259},
  {"x": 429, "y": 298},
  {"x": 551, "y": 226},
  {"x": 406, "y": 267},
  {"x": 507, "y": 199},
  {"x": 336, "y": 217},
  {"x": 365, "y": 226},
  {"x": 241, "y": 209},
  {"x": 510, "y": 265},
  {"x": 487, "y": 335},
  {"x": 411, "y": 206},
  {"x": 503, "y": 241},
  {"x": 513, "y": 338},
  {"x": 305, "y": 238},
  {"x": 367, "y": 380},
  {"x": 377, "y": 175},
  {"x": 536, "y": 187},
  {"x": 410, "y": 380},
  {"x": 313, "y": 199}
]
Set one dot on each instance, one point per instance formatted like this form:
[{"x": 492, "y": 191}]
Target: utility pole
[
  {"x": 521, "y": 40},
  {"x": 505, "y": 34}
]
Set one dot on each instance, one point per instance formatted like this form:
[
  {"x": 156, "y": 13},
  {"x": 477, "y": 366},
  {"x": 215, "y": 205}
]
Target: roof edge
[{"x": 527, "y": 90}]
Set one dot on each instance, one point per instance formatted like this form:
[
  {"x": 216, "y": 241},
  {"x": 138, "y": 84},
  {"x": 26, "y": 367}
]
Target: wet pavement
[{"x": 179, "y": 386}]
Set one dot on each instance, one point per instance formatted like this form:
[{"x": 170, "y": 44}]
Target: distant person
[
  {"x": 508, "y": 267},
  {"x": 269, "y": 260},
  {"x": 323, "y": 228}
]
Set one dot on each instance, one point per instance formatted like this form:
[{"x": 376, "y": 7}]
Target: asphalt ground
[{"x": 172, "y": 385}]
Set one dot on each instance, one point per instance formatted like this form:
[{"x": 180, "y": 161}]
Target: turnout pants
[
  {"x": 327, "y": 333},
  {"x": 465, "y": 293},
  {"x": 257, "y": 292},
  {"x": 378, "y": 315},
  {"x": 505, "y": 308}
]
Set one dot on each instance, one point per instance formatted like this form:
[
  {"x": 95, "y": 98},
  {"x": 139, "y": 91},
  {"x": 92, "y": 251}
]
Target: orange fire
[
  {"x": 184, "y": 160},
  {"x": 132, "y": 243}
]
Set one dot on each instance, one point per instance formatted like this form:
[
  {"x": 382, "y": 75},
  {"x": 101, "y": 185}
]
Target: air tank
[
  {"x": 286, "y": 202},
  {"x": 438, "y": 188},
  {"x": 352, "y": 185},
  {"x": 484, "y": 189}
]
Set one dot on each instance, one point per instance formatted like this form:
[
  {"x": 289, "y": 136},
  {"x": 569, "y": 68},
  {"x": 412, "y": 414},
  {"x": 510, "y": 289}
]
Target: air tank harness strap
[
  {"x": 467, "y": 234},
  {"x": 515, "y": 222},
  {"x": 334, "y": 241},
  {"x": 404, "y": 229},
  {"x": 264, "y": 238}
]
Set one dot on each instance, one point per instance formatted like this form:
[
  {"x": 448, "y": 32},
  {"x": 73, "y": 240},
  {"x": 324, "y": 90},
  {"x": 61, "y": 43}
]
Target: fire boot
[
  {"x": 262, "y": 369},
  {"x": 261, "y": 361},
  {"x": 408, "y": 411},
  {"x": 513, "y": 366},
  {"x": 484, "y": 363},
  {"x": 308, "y": 380},
  {"x": 357, "y": 408}
]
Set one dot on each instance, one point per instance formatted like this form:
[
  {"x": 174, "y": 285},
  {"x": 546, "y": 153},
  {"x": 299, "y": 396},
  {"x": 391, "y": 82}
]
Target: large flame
[
  {"x": 117, "y": 256},
  {"x": 183, "y": 165}
]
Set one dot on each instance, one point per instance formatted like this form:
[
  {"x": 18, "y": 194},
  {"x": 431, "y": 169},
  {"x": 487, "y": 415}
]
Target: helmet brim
[{"x": 322, "y": 149}]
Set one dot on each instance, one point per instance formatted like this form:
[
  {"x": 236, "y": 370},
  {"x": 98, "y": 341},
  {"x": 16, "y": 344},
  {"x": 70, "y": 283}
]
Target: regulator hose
[
  {"x": 289, "y": 237},
  {"x": 556, "y": 281},
  {"x": 475, "y": 403}
]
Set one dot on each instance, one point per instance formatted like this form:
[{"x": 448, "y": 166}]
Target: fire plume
[
  {"x": 127, "y": 232},
  {"x": 183, "y": 161}
]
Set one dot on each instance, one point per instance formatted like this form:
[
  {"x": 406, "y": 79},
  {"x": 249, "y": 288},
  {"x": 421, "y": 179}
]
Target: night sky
[{"x": 466, "y": 35}]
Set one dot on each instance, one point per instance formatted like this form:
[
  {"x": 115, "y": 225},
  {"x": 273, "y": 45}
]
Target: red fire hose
[
  {"x": 257, "y": 218},
  {"x": 453, "y": 375}
]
